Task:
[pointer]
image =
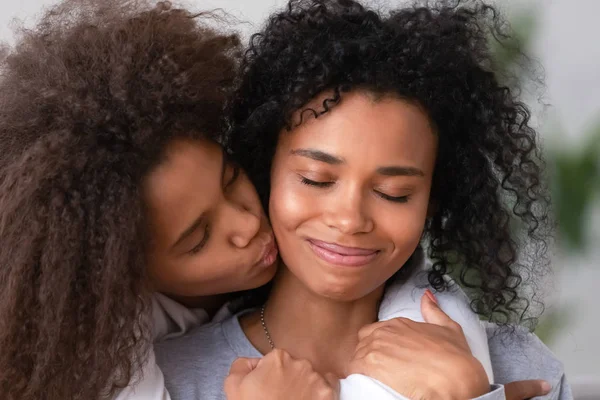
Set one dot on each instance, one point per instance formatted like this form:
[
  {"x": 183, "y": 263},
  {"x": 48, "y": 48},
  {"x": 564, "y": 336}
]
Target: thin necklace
[{"x": 264, "y": 325}]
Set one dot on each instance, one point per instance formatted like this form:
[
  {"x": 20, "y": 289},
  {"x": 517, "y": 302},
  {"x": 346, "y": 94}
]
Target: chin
[
  {"x": 342, "y": 291},
  {"x": 264, "y": 277}
]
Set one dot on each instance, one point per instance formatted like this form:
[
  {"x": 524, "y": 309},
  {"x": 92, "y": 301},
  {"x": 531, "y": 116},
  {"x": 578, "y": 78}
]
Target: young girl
[
  {"x": 368, "y": 135},
  {"x": 113, "y": 188}
]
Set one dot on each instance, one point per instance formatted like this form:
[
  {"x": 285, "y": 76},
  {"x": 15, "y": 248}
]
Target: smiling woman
[
  {"x": 488, "y": 198},
  {"x": 370, "y": 137},
  {"x": 354, "y": 200}
]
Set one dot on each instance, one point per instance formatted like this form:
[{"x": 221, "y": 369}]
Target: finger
[
  {"x": 362, "y": 349},
  {"x": 367, "y": 330},
  {"x": 367, "y": 363},
  {"x": 521, "y": 390},
  {"x": 243, "y": 366},
  {"x": 333, "y": 381},
  {"x": 394, "y": 324},
  {"x": 238, "y": 371},
  {"x": 232, "y": 384},
  {"x": 374, "y": 341},
  {"x": 276, "y": 357},
  {"x": 356, "y": 366},
  {"x": 432, "y": 313}
]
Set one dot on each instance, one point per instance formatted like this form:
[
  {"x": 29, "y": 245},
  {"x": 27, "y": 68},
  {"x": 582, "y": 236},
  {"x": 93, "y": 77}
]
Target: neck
[{"x": 309, "y": 326}]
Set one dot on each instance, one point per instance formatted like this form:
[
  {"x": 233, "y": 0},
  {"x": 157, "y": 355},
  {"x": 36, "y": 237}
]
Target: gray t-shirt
[{"x": 196, "y": 365}]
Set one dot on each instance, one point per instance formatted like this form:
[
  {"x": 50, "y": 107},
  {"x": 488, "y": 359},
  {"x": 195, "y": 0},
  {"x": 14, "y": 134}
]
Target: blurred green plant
[
  {"x": 575, "y": 186},
  {"x": 574, "y": 174},
  {"x": 507, "y": 52}
]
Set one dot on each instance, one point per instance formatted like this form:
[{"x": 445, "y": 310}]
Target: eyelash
[
  {"x": 393, "y": 199},
  {"x": 309, "y": 182},
  {"x": 200, "y": 245}
]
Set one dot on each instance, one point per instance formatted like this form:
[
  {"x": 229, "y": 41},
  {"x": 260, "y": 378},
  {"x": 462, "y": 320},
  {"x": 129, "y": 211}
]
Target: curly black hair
[
  {"x": 91, "y": 97},
  {"x": 491, "y": 224}
]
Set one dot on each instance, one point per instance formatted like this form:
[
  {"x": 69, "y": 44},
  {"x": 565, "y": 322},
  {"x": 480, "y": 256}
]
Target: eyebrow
[
  {"x": 318, "y": 155},
  {"x": 400, "y": 171}
]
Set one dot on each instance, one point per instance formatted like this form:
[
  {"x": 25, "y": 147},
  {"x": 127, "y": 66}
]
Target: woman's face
[
  {"x": 350, "y": 193},
  {"x": 209, "y": 234}
]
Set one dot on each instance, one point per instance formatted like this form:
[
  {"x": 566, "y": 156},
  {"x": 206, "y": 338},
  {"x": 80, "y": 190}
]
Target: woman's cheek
[
  {"x": 405, "y": 225},
  {"x": 288, "y": 204}
]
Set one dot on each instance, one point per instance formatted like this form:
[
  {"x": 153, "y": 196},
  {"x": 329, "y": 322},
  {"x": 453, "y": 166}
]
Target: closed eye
[
  {"x": 326, "y": 184},
  {"x": 202, "y": 242},
  {"x": 395, "y": 199},
  {"x": 309, "y": 182}
]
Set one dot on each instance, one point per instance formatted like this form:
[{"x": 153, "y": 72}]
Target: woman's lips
[{"x": 342, "y": 255}]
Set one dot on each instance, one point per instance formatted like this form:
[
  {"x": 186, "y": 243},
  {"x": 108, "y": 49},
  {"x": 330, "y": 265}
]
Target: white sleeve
[
  {"x": 169, "y": 320},
  {"x": 361, "y": 387},
  {"x": 151, "y": 386}
]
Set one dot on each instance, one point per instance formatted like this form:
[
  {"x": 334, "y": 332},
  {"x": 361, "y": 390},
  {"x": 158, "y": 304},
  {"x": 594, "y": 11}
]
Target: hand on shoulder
[
  {"x": 278, "y": 376},
  {"x": 434, "y": 358}
]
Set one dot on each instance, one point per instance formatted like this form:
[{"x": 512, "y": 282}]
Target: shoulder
[
  {"x": 518, "y": 354},
  {"x": 196, "y": 364},
  {"x": 201, "y": 343},
  {"x": 515, "y": 347}
]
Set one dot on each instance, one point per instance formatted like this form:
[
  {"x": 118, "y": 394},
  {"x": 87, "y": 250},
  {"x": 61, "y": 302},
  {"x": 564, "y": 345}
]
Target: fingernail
[
  {"x": 431, "y": 296},
  {"x": 546, "y": 387}
]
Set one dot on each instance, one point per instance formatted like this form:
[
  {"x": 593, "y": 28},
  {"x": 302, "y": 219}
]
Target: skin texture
[{"x": 230, "y": 246}]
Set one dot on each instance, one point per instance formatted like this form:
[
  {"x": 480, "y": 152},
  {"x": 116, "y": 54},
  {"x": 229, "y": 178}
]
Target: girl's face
[
  {"x": 350, "y": 193},
  {"x": 209, "y": 233}
]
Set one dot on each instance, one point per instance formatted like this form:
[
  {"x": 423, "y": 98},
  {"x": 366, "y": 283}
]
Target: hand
[
  {"x": 426, "y": 361},
  {"x": 522, "y": 390},
  {"x": 278, "y": 376}
]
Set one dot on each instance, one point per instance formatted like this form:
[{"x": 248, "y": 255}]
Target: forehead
[
  {"x": 184, "y": 185},
  {"x": 373, "y": 129}
]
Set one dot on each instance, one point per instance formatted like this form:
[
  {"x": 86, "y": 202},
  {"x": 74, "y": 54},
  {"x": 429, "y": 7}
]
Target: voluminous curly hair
[
  {"x": 490, "y": 227},
  {"x": 89, "y": 100}
]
